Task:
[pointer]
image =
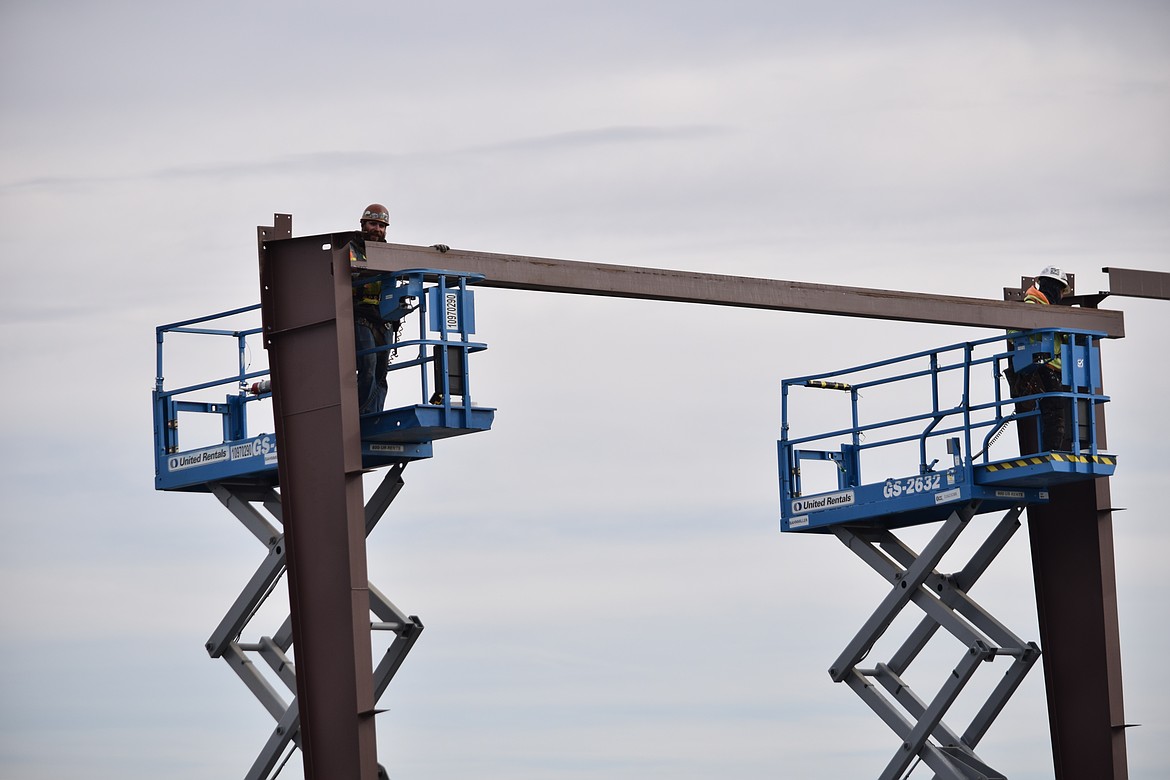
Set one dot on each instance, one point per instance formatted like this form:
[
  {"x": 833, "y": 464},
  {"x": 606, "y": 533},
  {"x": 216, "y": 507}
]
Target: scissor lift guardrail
[
  {"x": 442, "y": 309},
  {"x": 996, "y": 478},
  {"x": 966, "y": 429}
]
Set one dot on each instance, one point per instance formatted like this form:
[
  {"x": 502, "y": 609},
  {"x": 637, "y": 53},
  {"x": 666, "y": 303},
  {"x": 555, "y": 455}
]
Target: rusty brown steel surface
[
  {"x": 1074, "y": 571},
  {"x": 306, "y": 306},
  {"x": 1076, "y": 600},
  {"x": 281, "y": 227},
  {"x": 1138, "y": 284},
  {"x": 567, "y": 276}
]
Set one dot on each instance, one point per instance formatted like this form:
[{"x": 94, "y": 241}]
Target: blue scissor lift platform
[
  {"x": 220, "y": 454},
  {"x": 879, "y": 471},
  {"x": 436, "y": 361},
  {"x": 899, "y": 423}
]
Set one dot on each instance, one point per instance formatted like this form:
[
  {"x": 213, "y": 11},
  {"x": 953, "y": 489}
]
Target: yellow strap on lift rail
[{"x": 828, "y": 385}]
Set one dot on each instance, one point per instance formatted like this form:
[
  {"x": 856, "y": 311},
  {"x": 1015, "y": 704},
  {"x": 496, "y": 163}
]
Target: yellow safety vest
[
  {"x": 1033, "y": 295},
  {"x": 366, "y": 294}
]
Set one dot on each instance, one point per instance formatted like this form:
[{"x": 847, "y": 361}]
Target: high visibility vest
[
  {"x": 1033, "y": 295},
  {"x": 365, "y": 294}
]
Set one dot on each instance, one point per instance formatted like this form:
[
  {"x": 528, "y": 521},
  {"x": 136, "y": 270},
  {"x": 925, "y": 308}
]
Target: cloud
[{"x": 602, "y": 568}]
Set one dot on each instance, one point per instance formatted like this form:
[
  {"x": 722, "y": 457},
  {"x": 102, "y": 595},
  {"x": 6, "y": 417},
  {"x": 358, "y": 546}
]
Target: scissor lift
[
  {"x": 429, "y": 364},
  {"x": 957, "y": 394}
]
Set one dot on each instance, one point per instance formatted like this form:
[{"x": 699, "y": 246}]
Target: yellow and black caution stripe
[
  {"x": 1060, "y": 457},
  {"x": 828, "y": 385},
  {"x": 1068, "y": 457}
]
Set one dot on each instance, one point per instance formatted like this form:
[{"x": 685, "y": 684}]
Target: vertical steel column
[
  {"x": 1076, "y": 599},
  {"x": 307, "y": 307},
  {"x": 1076, "y": 602}
]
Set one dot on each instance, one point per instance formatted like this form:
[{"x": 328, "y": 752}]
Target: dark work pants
[
  {"x": 1055, "y": 413},
  {"x": 371, "y": 368}
]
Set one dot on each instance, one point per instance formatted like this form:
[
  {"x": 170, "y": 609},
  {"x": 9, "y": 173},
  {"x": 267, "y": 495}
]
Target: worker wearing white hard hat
[{"x": 1049, "y": 287}]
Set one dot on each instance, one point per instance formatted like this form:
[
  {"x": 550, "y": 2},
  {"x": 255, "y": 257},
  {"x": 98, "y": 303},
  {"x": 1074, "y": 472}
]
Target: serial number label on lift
[
  {"x": 451, "y": 310},
  {"x": 911, "y": 485}
]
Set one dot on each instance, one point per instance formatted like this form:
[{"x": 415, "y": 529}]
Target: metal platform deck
[
  {"x": 394, "y": 435},
  {"x": 931, "y": 497},
  {"x": 425, "y": 422},
  {"x": 1046, "y": 468}
]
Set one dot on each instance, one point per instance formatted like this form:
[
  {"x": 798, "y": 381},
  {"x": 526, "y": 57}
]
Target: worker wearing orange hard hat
[{"x": 369, "y": 329}]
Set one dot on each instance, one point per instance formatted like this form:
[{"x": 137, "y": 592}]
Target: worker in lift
[
  {"x": 1048, "y": 289},
  {"x": 369, "y": 329}
]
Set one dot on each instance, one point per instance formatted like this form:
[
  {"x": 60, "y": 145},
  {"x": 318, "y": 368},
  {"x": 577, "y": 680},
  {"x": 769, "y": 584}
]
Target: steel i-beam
[{"x": 307, "y": 307}]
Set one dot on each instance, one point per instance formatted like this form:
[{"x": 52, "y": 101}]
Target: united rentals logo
[
  {"x": 261, "y": 446},
  {"x": 186, "y": 460},
  {"x": 827, "y": 501}
]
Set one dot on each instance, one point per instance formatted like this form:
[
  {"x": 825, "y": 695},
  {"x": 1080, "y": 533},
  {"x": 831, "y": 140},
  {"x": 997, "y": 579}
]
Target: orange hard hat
[{"x": 376, "y": 212}]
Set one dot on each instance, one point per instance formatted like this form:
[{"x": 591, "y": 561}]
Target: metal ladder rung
[{"x": 386, "y": 627}]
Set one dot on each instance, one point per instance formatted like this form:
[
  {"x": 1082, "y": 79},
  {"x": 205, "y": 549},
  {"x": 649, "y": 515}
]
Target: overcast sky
[{"x": 605, "y": 591}]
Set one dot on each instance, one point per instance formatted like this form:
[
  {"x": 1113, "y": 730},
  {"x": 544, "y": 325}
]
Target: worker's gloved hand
[{"x": 440, "y": 247}]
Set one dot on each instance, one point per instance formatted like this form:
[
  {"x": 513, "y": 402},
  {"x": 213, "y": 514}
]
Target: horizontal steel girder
[
  {"x": 1139, "y": 284},
  {"x": 541, "y": 274}
]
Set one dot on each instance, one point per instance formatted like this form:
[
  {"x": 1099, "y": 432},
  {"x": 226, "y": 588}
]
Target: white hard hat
[{"x": 1054, "y": 273}]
